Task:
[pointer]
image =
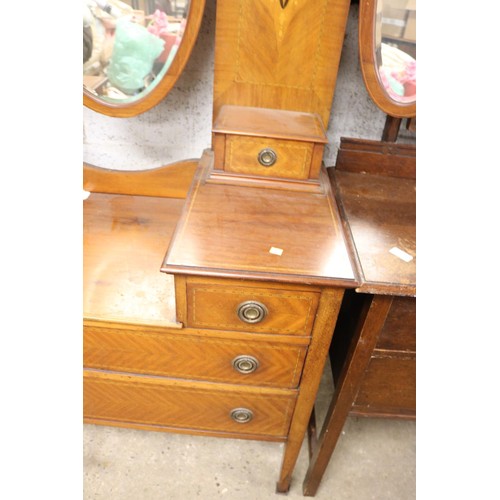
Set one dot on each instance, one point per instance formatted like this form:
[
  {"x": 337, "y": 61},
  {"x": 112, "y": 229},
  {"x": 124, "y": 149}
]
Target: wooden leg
[
  {"x": 371, "y": 321},
  {"x": 391, "y": 129},
  {"x": 311, "y": 434},
  {"x": 328, "y": 310}
]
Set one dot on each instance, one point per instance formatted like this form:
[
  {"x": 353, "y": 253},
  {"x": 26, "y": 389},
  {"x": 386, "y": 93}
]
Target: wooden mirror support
[
  {"x": 133, "y": 107},
  {"x": 369, "y": 67}
]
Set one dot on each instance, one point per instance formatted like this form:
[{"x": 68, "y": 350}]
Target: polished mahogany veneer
[
  {"x": 222, "y": 326},
  {"x": 247, "y": 232},
  {"x": 268, "y": 144},
  {"x": 260, "y": 260}
]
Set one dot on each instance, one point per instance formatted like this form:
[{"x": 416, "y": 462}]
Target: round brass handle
[
  {"x": 245, "y": 364},
  {"x": 252, "y": 311},
  {"x": 241, "y": 415},
  {"x": 267, "y": 157}
]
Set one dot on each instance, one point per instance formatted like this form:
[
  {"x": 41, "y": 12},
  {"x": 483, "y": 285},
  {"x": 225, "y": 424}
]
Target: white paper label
[{"x": 276, "y": 251}]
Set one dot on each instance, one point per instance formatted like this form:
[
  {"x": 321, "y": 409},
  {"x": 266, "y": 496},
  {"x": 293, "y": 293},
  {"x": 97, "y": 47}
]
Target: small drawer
[
  {"x": 251, "y": 362},
  {"x": 169, "y": 403},
  {"x": 268, "y": 143},
  {"x": 260, "y": 308},
  {"x": 268, "y": 157}
]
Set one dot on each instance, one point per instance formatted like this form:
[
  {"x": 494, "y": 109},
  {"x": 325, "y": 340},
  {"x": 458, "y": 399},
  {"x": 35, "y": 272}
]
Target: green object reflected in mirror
[{"x": 135, "y": 50}]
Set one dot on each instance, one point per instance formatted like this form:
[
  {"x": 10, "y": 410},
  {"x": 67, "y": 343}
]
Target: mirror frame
[
  {"x": 151, "y": 99},
  {"x": 368, "y": 62}
]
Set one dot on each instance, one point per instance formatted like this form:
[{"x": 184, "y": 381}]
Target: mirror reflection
[
  {"x": 129, "y": 45},
  {"x": 395, "y": 46}
]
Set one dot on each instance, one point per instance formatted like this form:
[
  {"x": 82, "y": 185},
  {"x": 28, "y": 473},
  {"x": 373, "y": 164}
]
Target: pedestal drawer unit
[{"x": 247, "y": 266}]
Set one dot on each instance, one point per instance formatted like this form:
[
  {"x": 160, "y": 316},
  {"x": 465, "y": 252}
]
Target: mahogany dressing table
[
  {"x": 243, "y": 352},
  {"x": 213, "y": 315}
]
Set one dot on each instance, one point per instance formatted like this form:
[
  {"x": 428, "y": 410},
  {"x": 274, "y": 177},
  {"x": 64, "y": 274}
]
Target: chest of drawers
[{"x": 230, "y": 339}]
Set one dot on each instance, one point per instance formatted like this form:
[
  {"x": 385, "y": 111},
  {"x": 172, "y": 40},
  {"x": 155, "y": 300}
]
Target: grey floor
[{"x": 374, "y": 459}]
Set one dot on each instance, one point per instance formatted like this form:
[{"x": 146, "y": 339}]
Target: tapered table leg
[{"x": 371, "y": 321}]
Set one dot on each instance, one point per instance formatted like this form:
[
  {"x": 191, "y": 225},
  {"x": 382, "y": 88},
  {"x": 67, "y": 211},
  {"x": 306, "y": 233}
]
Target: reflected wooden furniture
[{"x": 373, "y": 352}]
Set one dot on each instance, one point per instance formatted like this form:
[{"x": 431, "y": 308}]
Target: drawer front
[
  {"x": 388, "y": 387},
  {"x": 249, "y": 362},
  {"x": 251, "y": 309},
  {"x": 292, "y": 158},
  {"x": 399, "y": 330},
  {"x": 183, "y": 405}
]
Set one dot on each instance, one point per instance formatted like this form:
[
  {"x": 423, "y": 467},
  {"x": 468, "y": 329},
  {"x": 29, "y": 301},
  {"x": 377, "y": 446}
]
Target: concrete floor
[{"x": 374, "y": 459}]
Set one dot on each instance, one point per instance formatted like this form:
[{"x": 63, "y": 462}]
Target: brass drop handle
[
  {"x": 267, "y": 157},
  {"x": 252, "y": 311},
  {"x": 245, "y": 364},
  {"x": 241, "y": 415}
]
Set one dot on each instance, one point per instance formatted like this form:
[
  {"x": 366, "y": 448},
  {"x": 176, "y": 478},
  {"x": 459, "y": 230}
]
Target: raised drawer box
[
  {"x": 180, "y": 355},
  {"x": 268, "y": 143},
  {"x": 258, "y": 307},
  {"x": 163, "y": 403}
]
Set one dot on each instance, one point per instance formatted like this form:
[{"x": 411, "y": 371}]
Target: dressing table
[{"x": 213, "y": 314}]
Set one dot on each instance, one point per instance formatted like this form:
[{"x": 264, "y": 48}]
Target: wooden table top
[
  {"x": 379, "y": 213},
  {"x": 260, "y": 233},
  {"x": 125, "y": 239},
  {"x": 270, "y": 123}
]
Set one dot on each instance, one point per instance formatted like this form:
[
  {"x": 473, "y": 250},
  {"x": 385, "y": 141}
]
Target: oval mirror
[
  {"x": 134, "y": 51},
  {"x": 387, "y": 49}
]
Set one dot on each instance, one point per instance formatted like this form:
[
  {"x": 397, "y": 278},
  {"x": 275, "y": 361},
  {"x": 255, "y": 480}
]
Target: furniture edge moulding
[
  {"x": 168, "y": 181},
  {"x": 376, "y": 157}
]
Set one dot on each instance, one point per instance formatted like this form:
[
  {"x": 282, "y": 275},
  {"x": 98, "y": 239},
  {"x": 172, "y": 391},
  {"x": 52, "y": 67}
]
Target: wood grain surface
[
  {"x": 169, "y": 181},
  {"x": 186, "y": 404},
  {"x": 214, "y": 304},
  {"x": 167, "y": 354},
  {"x": 380, "y": 214},
  {"x": 293, "y": 158},
  {"x": 231, "y": 231},
  {"x": 270, "y": 57},
  {"x": 125, "y": 238},
  {"x": 270, "y": 123}
]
